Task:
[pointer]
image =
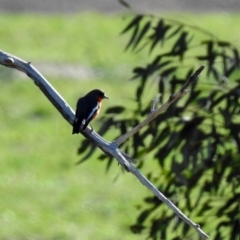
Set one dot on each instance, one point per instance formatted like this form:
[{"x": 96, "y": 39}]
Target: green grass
[
  {"x": 89, "y": 39},
  {"x": 44, "y": 195},
  {"x": 92, "y": 39}
]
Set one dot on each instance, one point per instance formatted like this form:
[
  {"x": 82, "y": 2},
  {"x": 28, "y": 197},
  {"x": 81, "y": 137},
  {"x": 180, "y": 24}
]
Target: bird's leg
[{"x": 91, "y": 127}]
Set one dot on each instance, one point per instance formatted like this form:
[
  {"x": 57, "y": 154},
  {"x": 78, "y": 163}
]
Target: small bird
[{"x": 88, "y": 108}]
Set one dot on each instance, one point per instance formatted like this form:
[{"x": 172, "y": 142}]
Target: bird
[{"x": 87, "y": 109}]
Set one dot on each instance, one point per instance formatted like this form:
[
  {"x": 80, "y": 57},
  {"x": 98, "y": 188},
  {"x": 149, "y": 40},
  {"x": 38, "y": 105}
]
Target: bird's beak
[{"x": 105, "y": 96}]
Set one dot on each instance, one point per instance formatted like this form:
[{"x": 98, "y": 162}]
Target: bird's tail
[{"x": 76, "y": 127}]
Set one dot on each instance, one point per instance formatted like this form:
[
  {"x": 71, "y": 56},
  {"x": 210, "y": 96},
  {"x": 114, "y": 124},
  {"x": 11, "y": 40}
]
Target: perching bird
[{"x": 88, "y": 108}]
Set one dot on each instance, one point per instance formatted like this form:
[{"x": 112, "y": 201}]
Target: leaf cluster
[{"x": 195, "y": 143}]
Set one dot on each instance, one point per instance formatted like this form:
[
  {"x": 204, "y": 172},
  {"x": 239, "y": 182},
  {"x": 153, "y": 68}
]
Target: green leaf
[
  {"x": 134, "y": 23},
  {"x": 142, "y": 33}
]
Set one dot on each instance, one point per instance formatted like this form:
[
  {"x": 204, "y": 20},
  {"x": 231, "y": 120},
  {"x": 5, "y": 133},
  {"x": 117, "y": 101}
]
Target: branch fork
[{"x": 110, "y": 148}]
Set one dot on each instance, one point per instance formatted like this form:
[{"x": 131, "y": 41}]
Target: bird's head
[{"x": 99, "y": 94}]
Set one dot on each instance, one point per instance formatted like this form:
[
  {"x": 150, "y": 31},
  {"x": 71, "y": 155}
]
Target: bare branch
[
  {"x": 154, "y": 114},
  {"x": 157, "y": 193},
  {"x": 107, "y": 147}
]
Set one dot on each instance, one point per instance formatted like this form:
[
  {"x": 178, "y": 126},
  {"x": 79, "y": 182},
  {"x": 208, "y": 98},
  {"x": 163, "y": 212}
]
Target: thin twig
[
  {"x": 154, "y": 114},
  {"x": 111, "y": 149}
]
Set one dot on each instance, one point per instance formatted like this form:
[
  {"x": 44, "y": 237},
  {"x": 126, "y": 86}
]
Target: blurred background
[
  {"x": 77, "y": 46},
  {"x": 108, "y": 6}
]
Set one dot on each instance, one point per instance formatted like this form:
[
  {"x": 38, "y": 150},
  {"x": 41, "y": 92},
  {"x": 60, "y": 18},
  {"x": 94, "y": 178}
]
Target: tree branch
[
  {"x": 155, "y": 113},
  {"x": 107, "y": 147}
]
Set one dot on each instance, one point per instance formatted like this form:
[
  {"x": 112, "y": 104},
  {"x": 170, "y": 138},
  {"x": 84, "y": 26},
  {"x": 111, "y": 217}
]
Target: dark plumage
[{"x": 88, "y": 108}]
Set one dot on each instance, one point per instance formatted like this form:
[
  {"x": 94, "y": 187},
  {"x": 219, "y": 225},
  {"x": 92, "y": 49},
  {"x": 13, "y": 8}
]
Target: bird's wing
[
  {"x": 80, "y": 110},
  {"x": 92, "y": 113},
  {"x": 79, "y": 115}
]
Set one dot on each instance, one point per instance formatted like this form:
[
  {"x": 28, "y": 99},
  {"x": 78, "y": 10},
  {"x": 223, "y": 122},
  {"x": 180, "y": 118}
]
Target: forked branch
[{"x": 109, "y": 148}]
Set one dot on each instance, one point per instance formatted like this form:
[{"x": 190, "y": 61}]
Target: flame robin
[{"x": 88, "y": 108}]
